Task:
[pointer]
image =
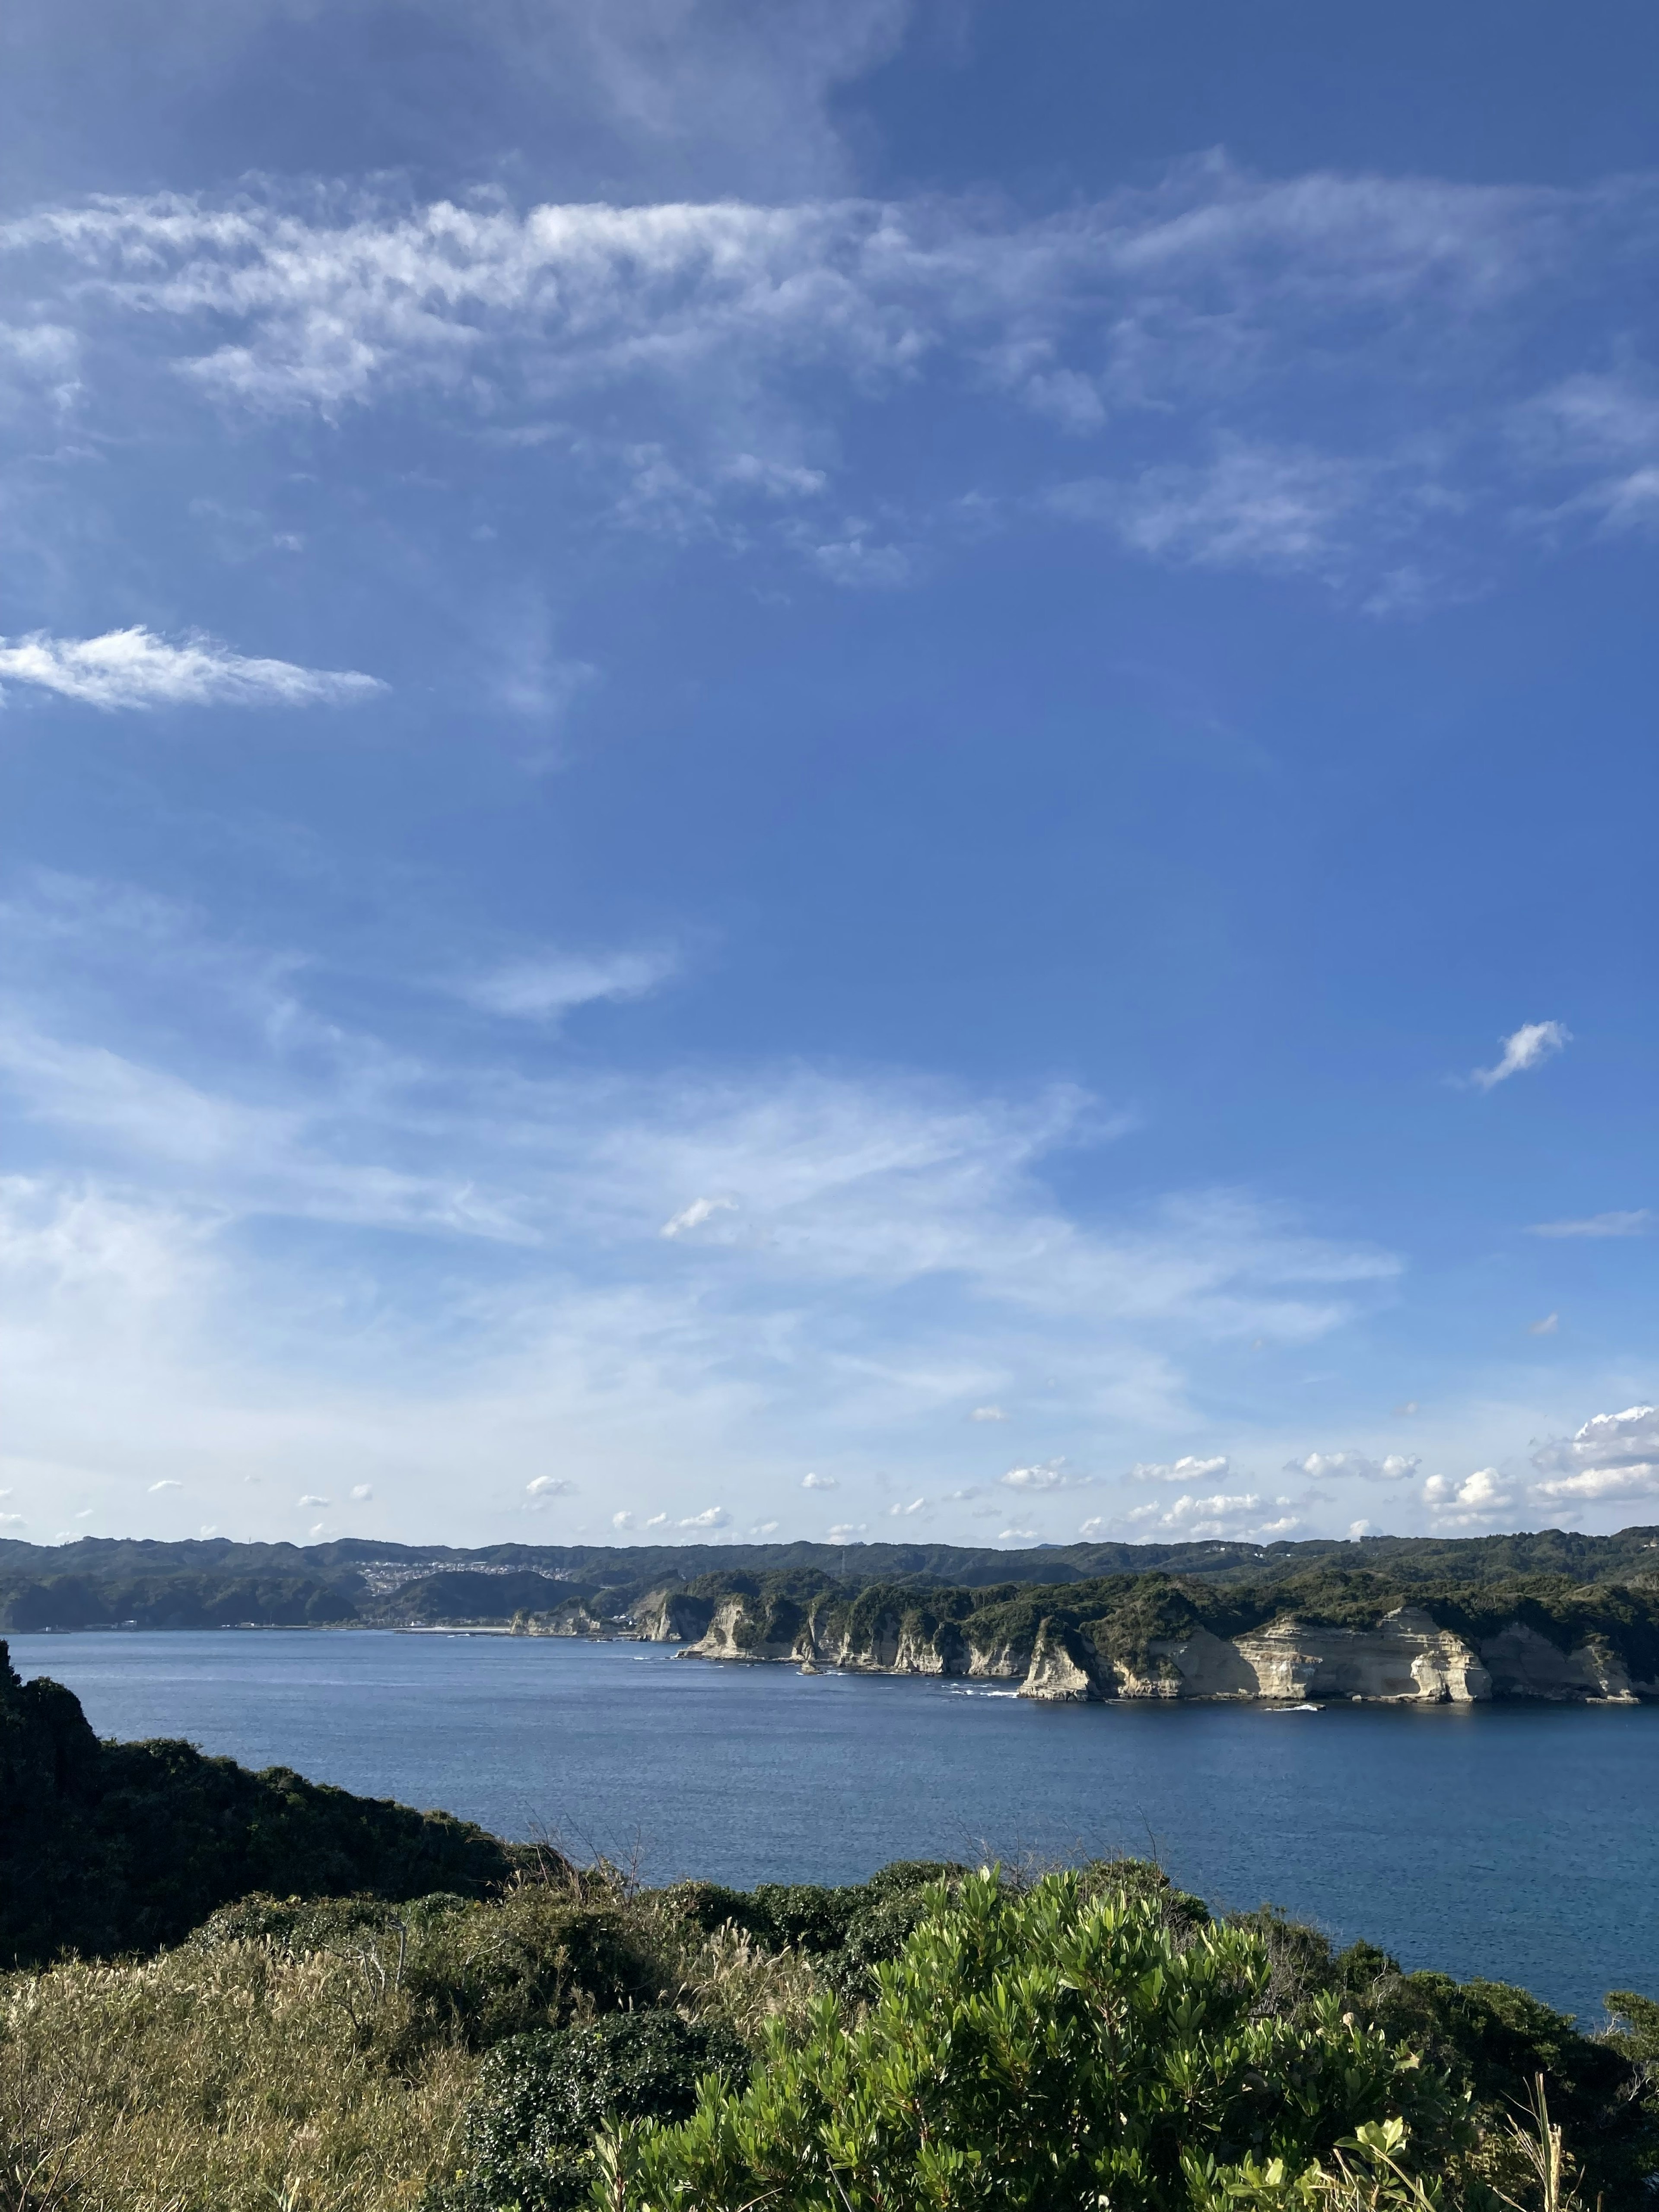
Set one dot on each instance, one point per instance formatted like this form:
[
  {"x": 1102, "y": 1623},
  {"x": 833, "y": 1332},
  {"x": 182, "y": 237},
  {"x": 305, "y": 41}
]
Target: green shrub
[
  {"x": 528, "y": 2139},
  {"x": 1043, "y": 2050}
]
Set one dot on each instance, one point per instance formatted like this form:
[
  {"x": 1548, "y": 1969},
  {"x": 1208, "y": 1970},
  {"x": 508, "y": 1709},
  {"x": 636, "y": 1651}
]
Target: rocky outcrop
[
  {"x": 1522, "y": 1663},
  {"x": 738, "y": 1630},
  {"x": 1062, "y": 1671},
  {"x": 671, "y": 1616},
  {"x": 1406, "y": 1658},
  {"x": 574, "y": 1618}
]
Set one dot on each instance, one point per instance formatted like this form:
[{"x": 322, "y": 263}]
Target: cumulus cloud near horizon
[
  {"x": 1334, "y": 1467},
  {"x": 1049, "y": 1475},
  {"x": 1186, "y": 1470},
  {"x": 1613, "y": 1456},
  {"x": 135, "y": 668},
  {"x": 1464, "y": 1504}
]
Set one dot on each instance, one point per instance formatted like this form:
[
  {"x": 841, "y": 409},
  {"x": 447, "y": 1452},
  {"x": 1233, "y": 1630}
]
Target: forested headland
[{"x": 213, "y": 1583}]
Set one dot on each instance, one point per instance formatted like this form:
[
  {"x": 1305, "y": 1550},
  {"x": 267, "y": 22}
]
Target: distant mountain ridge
[{"x": 213, "y": 1582}]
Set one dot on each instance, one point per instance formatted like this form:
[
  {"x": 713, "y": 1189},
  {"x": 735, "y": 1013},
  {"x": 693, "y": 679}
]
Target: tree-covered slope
[{"x": 108, "y": 1847}]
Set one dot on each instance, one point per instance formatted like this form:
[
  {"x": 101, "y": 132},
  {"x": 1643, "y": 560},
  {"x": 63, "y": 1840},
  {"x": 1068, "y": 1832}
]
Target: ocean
[{"x": 1516, "y": 1842}]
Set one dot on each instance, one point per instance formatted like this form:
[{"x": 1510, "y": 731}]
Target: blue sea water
[{"x": 1520, "y": 1843}]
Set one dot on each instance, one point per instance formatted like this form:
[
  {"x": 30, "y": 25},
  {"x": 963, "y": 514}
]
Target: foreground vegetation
[{"x": 936, "y": 2037}]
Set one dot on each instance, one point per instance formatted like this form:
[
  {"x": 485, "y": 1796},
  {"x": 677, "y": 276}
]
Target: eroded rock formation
[{"x": 1405, "y": 1657}]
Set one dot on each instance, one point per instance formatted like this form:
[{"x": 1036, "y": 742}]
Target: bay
[{"x": 1517, "y": 1842}]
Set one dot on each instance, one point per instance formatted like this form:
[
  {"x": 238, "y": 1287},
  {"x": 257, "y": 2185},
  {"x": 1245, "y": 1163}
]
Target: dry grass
[
  {"x": 328, "y": 2072},
  {"x": 218, "y": 2081}
]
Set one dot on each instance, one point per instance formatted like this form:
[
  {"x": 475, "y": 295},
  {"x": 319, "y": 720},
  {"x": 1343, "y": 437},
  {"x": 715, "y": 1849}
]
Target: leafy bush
[
  {"x": 542, "y": 2099},
  {"x": 1038, "y": 2050}
]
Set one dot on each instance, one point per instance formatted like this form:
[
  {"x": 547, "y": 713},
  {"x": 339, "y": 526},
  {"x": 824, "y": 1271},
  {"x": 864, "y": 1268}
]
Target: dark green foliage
[
  {"x": 110, "y": 1847},
  {"x": 176, "y": 1600},
  {"x": 1492, "y": 2041},
  {"x": 529, "y": 2135},
  {"x": 1496, "y": 2039},
  {"x": 298, "y": 1924},
  {"x": 1636, "y": 2032}
]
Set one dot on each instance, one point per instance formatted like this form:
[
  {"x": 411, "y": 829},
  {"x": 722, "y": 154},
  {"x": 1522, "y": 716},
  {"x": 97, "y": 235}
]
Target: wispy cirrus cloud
[
  {"x": 135, "y": 668},
  {"x": 545, "y": 986},
  {"x": 705, "y": 369},
  {"x": 1635, "y": 1223},
  {"x": 340, "y": 1240}
]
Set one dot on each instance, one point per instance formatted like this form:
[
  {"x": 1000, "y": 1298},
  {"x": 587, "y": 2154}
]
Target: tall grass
[
  {"x": 319, "y": 2058},
  {"x": 235, "y": 2080}
]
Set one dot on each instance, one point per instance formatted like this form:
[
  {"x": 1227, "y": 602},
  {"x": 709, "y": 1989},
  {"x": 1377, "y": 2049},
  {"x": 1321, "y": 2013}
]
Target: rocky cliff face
[
  {"x": 671, "y": 1617},
  {"x": 1407, "y": 1658}
]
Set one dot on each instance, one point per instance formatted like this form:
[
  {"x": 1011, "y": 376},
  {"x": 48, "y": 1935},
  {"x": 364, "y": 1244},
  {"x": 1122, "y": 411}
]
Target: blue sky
[{"x": 864, "y": 768}]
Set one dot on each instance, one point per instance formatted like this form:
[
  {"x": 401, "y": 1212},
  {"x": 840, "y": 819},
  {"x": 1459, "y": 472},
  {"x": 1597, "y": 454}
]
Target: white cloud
[
  {"x": 1049, "y": 1475},
  {"x": 1550, "y": 1325},
  {"x": 12, "y": 1520},
  {"x": 694, "y": 1216},
  {"x": 361, "y": 1492},
  {"x": 308, "y": 1500},
  {"x": 1529, "y": 1046},
  {"x": 1635, "y": 1224},
  {"x": 1613, "y": 1456},
  {"x": 39, "y": 361},
  {"x": 658, "y": 1521},
  {"x": 1222, "y": 1515},
  {"x": 844, "y": 1531},
  {"x": 350, "y": 1251},
  {"x": 711, "y": 1516},
  {"x": 987, "y": 1413},
  {"x": 698, "y": 356},
  {"x": 543, "y": 1485},
  {"x": 544, "y": 988},
  {"x": 135, "y": 668},
  {"x": 1250, "y": 507},
  {"x": 1343, "y": 1466},
  {"x": 819, "y": 1482},
  {"x": 1478, "y": 1498},
  {"x": 903, "y": 1512},
  {"x": 1358, "y": 1529},
  {"x": 1188, "y": 1469},
  {"x": 167, "y": 1484},
  {"x": 1015, "y": 1535},
  {"x": 1604, "y": 429},
  {"x": 621, "y": 1519}
]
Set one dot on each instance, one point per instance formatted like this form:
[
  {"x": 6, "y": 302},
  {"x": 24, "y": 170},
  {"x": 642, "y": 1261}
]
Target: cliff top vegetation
[{"x": 209, "y": 1583}]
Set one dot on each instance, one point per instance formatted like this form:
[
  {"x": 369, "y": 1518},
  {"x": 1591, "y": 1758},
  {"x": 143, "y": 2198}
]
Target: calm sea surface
[{"x": 1519, "y": 1844}]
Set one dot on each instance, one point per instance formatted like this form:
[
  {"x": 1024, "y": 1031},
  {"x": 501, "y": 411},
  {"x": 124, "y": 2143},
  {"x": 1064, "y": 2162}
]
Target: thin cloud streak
[{"x": 134, "y": 668}]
